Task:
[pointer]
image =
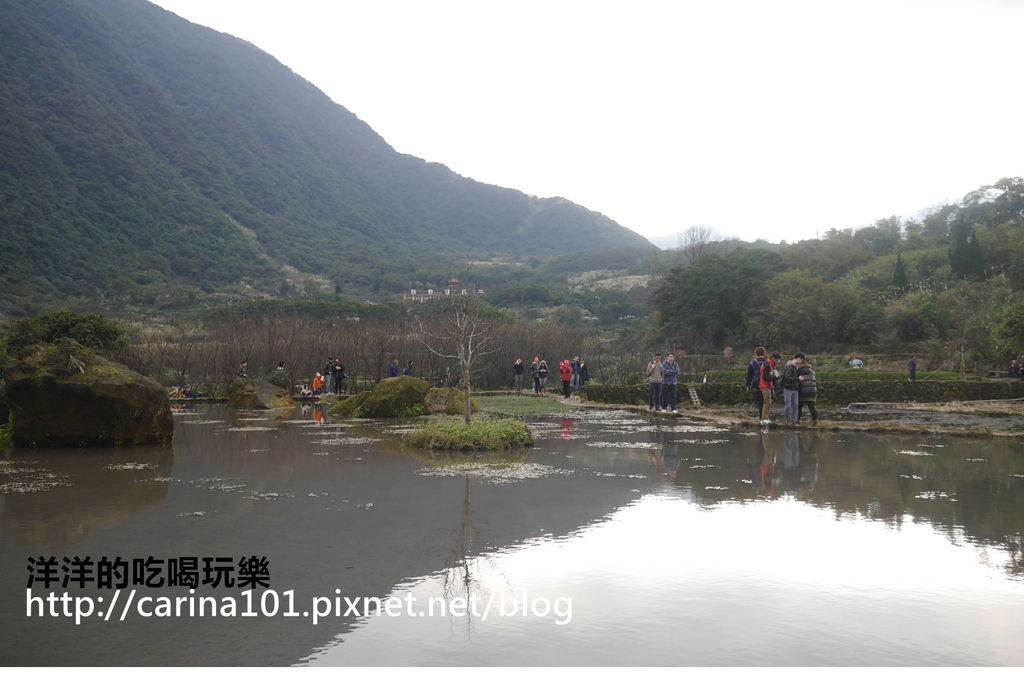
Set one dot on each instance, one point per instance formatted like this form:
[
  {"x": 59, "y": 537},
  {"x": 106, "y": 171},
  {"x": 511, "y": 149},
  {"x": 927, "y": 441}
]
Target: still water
[{"x": 619, "y": 539}]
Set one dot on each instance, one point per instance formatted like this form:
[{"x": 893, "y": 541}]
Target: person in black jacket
[
  {"x": 808, "y": 393},
  {"x": 339, "y": 376},
  {"x": 791, "y": 388}
]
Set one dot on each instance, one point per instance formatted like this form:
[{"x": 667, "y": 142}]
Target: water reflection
[
  {"x": 859, "y": 548},
  {"x": 56, "y": 499}
]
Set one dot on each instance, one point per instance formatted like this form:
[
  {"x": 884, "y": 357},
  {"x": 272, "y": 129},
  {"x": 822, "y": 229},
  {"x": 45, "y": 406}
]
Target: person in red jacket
[{"x": 565, "y": 368}]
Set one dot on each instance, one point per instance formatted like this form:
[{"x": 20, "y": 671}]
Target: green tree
[
  {"x": 707, "y": 301},
  {"x": 1010, "y": 331},
  {"x": 966, "y": 256},
  {"x": 899, "y": 275}
]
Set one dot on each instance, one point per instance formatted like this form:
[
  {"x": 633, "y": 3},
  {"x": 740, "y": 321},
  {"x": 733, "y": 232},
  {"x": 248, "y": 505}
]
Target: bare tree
[
  {"x": 693, "y": 241},
  {"x": 460, "y": 334}
]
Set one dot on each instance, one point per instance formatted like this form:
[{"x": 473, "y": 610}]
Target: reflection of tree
[
  {"x": 466, "y": 539},
  {"x": 459, "y": 576}
]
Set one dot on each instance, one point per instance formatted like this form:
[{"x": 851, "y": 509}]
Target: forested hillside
[
  {"x": 144, "y": 159},
  {"x": 953, "y": 279}
]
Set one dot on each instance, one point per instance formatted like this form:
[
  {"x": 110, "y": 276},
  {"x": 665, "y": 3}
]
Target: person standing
[
  {"x": 574, "y": 380},
  {"x": 765, "y": 384},
  {"x": 329, "y": 376},
  {"x": 912, "y": 368},
  {"x": 566, "y": 375},
  {"x": 808, "y": 393},
  {"x": 654, "y": 378},
  {"x": 517, "y": 375},
  {"x": 754, "y": 371},
  {"x": 584, "y": 373},
  {"x": 669, "y": 379},
  {"x": 339, "y": 376},
  {"x": 393, "y": 369},
  {"x": 408, "y": 369},
  {"x": 791, "y": 388},
  {"x": 542, "y": 376}
]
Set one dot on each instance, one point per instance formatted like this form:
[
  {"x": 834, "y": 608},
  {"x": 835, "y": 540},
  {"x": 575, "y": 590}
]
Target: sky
[{"x": 762, "y": 119}]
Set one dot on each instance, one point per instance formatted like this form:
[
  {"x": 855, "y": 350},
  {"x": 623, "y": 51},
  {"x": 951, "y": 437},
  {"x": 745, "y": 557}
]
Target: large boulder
[
  {"x": 402, "y": 396},
  {"x": 257, "y": 392},
  {"x": 63, "y": 394}
]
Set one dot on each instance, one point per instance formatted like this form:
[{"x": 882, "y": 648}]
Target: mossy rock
[
  {"x": 448, "y": 401},
  {"x": 63, "y": 394},
  {"x": 396, "y": 397},
  {"x": 260, "y": 393}
]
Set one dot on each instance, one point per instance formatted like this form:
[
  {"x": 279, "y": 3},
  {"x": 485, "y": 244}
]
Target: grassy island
[{"x": 479, "y": 435}]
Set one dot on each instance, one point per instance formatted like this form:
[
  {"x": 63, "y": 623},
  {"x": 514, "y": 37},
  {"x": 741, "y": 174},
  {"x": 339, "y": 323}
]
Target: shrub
[{"x": 91, "y": 330}]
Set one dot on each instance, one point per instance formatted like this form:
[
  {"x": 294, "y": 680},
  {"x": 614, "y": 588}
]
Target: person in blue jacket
[{"x": 669, "y": 386}]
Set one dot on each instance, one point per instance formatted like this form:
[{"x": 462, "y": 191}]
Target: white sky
[{"x": 761, "y": 118}]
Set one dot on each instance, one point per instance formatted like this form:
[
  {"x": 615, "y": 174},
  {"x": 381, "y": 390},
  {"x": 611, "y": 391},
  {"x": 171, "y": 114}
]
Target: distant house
[{"x": 452, "y": 288}]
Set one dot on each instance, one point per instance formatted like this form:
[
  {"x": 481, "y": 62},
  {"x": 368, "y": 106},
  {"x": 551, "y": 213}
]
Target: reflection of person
[
  {"x": 791, "y": 461},
  {"x": 566, "y": 428},
  {"x": 808, "y": 466},
  {"x": 766, "y": 470},
  {"x": 670, "y": 456}
]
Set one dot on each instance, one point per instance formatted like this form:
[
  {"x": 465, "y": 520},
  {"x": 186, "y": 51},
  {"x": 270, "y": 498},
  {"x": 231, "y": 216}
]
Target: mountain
[{"x": 142, "y": 153}]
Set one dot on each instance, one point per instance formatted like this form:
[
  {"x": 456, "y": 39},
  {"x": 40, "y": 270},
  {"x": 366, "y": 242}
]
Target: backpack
[{"x": 762, "y": 372}]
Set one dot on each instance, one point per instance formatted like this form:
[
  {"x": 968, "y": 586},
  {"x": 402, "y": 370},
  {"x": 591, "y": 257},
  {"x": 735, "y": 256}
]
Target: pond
[{"x": 621, "y": 538}]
